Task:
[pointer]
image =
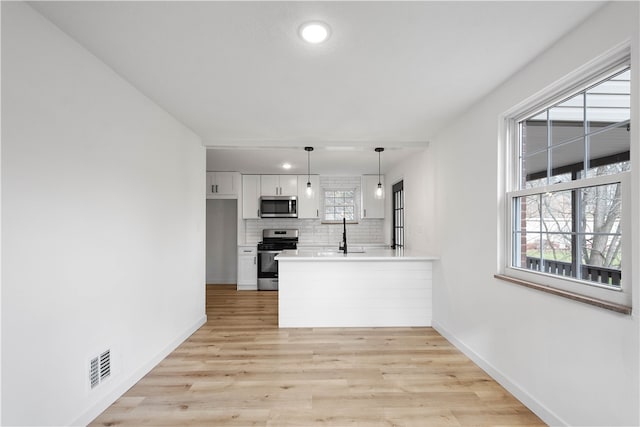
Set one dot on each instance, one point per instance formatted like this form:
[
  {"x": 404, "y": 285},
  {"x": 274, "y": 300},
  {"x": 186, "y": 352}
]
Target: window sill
[
  {"x": 337, "y": 222},
  {"x": 618, "y": 308}
]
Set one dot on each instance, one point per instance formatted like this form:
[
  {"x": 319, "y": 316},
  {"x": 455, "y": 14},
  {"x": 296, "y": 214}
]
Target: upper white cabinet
[
  {"x": 371, "y": 207},
  {"x": 288, "y": 185},
  {"x": 308, "y": 207},
  {"x": 222, "y": 185},
  {"x": 270, "y": 185},
  {"x": 250, "y": 196},
  {"x": 279, "y": 185}
]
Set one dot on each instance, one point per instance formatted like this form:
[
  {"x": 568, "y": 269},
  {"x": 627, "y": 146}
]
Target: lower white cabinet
[{"x": 247, "y": 268}]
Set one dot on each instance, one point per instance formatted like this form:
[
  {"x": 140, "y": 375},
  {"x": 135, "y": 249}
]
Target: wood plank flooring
[{"x": 239, "y": 369}]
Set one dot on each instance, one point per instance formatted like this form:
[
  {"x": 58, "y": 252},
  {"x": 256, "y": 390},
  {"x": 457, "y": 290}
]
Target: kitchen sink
[{"x": 356, "y": 250}]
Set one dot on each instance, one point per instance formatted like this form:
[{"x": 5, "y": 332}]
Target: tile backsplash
[{"x": 313, "y": 231}]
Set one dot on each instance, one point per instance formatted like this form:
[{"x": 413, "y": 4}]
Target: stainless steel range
[{"x": 273, "y": 242}]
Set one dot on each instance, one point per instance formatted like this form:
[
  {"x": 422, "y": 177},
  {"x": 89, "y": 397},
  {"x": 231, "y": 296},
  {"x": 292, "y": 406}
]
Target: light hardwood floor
[{"x": 239, "y": 369}]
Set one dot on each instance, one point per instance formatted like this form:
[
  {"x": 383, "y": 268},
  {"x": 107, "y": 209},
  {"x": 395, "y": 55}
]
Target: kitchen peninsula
[{"x": 372, "y": 288}]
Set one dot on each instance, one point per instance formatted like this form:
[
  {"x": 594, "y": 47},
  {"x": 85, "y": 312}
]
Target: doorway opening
[{"x": 221, "y": 242}]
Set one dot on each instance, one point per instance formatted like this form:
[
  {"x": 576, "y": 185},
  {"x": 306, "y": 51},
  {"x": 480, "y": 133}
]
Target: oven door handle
[{"x": 269, "y": 252}]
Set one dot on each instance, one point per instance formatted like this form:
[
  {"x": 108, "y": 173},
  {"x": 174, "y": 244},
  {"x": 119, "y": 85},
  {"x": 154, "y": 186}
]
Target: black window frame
[{"x": 397, "y": 214}]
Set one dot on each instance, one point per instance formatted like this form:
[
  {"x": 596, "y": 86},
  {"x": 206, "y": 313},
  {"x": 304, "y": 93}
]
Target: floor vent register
[{"x": 99, "y": 368}]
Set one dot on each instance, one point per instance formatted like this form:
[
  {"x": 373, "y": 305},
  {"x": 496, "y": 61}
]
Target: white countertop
[
  {"x": 324, "y": 245},
  {"x": 357, "y": 254}
]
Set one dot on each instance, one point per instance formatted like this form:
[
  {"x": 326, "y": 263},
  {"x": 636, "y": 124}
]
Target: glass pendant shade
[
  {"x": 309, "y": 191},
  {"x": 379, "y": 191}
]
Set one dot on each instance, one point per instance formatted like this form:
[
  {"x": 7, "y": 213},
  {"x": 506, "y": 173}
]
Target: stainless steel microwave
[{"x": 278, "y": 207}]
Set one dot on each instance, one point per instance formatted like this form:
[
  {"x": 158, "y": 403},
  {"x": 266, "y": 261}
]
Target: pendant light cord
[
  {"x": 379, "y": 168},
  {"x": 308, "y": 150}
]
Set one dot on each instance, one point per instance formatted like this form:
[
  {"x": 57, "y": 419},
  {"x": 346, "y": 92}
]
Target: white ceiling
[
  {"x": 391, "y": 74},
  {"x": 323, "y": 160}
]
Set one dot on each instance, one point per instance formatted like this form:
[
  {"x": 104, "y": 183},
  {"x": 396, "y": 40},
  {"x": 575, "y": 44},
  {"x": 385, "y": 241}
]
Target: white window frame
[
  {"x": 324, "y": 205},
  {"x": 599, "y": 69}
]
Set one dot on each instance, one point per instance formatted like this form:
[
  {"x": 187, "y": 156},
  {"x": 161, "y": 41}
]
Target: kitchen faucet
[{"x": 343, "y": 246}]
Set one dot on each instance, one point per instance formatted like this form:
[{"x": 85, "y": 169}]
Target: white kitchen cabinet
[
  {"x": 308, "y": 208},
  {"x": 250, "y": 196},
  {"x": 371, "y": 207},
  {"x": 270, "y": 185},
  {"x": 247, "y": 268},
  {"x": 279, "y": 185},
  {"x": 222, "y": 185},
  {"x": 288, "y": 185}
]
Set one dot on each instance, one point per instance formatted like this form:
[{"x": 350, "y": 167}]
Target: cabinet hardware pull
[
  {"x": 254, "y": 260},
  {"x": 216, "y": 188},
  {"x": 212, "y": 190},
  {"x": 365, "y": 213}
]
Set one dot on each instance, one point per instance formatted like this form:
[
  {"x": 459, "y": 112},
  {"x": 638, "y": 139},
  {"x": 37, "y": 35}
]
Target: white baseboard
[
  {"x": 548, "y": 416},
  {"x": 127, "y": 383}
]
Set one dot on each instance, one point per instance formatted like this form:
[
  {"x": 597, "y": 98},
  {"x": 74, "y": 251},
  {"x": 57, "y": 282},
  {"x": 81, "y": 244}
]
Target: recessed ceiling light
[
  {"x": 286, "y": 166},
  {"x": 314, "y": 32}
]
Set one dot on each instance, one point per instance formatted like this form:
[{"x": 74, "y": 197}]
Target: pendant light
[
  {"x": 309, "y": 190},
  {"x": 380, "y": 190}
]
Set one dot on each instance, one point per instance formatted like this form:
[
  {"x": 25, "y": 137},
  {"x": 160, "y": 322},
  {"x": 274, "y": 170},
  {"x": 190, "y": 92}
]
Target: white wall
[
  {"x": 418, "y": 174},
  {"x": 572, "y": 363},
  {"x": 103, "y": 226},
  {"x": 222, "y": 257},
  {"x": 1, "y": 275}
]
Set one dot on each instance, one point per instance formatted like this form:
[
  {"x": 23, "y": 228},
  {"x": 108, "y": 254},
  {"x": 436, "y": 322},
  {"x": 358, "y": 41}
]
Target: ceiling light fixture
[
  {"x": 286, "y": 166},
  {"x": 314, "y": 32},
  {"x": 380, "y": 190},
  {"x": 309, "y": 191}
]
